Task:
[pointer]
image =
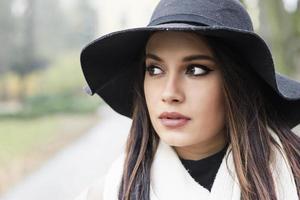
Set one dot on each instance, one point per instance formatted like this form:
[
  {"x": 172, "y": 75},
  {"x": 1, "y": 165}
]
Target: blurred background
[{"x": 43, "y": 109}]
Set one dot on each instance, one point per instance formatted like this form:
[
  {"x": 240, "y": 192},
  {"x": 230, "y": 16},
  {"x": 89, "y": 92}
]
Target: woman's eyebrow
[
  {"x": 185, "y": 59},
  {"x": 153, "y": 56}
]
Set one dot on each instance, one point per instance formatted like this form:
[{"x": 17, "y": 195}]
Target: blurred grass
[
  {"x": 26, "y": 143},
  {"x": 20, "y": 136}
]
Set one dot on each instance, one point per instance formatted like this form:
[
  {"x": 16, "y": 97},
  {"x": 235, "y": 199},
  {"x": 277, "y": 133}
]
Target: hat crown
[{"x": 228, "y": 13}]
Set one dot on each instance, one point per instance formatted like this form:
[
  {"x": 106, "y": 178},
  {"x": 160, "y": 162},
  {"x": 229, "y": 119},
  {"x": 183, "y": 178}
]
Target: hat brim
[{"x": 108, "y": 64}]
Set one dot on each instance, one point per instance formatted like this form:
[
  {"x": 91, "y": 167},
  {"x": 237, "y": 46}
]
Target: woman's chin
[{"x": 178, "y": 139}]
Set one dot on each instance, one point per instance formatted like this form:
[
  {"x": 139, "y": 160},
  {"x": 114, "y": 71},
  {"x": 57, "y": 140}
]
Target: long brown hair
[{"x": 251, "y": 109}]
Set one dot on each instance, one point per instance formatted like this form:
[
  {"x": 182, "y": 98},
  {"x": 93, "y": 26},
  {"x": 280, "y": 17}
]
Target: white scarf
[{"x": 170, "y": 180}]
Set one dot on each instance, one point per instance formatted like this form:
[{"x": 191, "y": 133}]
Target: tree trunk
[{"x": 276, "y": 28}]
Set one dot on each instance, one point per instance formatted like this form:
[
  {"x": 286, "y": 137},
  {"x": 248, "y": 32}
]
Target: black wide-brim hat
[{"x": 109, "y": 63}]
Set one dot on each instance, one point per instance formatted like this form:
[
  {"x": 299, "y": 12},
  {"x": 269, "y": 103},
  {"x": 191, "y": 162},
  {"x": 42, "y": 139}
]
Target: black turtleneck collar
[{"x": 205, "y": 170}]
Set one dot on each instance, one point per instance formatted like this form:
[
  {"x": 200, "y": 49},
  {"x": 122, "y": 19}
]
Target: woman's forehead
[{"x": 177, "y": 41}]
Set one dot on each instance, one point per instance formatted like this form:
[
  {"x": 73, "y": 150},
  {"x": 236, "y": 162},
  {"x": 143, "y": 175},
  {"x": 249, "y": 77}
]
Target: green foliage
[
  {"x": 59, "y": 89},
  {"x": 63, "y": 75},
  {"x": 45, "y": 104},
  {"x": 41, "y": 105}
]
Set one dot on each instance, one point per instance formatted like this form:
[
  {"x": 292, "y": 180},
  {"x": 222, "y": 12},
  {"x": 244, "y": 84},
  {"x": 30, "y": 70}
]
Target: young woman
[{"x": 211, "y": 119}]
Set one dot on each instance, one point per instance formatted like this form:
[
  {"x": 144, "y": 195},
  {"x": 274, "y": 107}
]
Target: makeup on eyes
[
  {"x": 199, "y": 66},
  {"x": 155, "y": 70},
  {"x": 154, "y": 61}
]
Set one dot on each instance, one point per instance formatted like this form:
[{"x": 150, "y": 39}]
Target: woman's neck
[{"x": 203, "y": 149}]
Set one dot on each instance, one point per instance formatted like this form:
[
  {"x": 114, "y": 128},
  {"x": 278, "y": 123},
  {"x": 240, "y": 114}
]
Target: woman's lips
[
  {"x": 173, "y": 119},
  {"x": 174, "y": 123}
]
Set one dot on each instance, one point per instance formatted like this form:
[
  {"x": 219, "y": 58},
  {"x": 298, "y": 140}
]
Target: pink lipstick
[{"x": 173, "y": 119}]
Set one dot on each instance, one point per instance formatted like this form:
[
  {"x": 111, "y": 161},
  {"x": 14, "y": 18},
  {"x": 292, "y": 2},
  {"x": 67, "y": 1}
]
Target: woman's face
[{"x": 182, "y": 77}]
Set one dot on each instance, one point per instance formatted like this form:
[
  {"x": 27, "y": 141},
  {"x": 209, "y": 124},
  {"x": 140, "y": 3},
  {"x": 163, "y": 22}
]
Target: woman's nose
[{"x": 172, "y": 90}]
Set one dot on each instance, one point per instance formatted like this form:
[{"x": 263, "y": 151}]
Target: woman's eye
[
  {"x": 197, "y": 70},
  {"x": 153, "y": 70}
]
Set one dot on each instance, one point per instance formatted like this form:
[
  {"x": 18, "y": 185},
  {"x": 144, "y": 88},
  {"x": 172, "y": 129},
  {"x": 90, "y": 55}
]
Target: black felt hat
[{"x": 109, "y": 63}]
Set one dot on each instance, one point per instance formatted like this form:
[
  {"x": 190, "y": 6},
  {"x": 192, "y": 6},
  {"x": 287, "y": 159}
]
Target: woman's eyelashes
[
  {"x": 197, "y": 70},
  {"x": 153, "y": 70},
  {"x": 192, "y": 70}
]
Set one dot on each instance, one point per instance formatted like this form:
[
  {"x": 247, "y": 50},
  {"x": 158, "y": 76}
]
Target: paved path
[{"x": 65, "y": 175}]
